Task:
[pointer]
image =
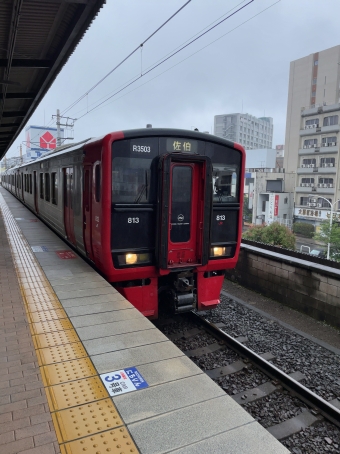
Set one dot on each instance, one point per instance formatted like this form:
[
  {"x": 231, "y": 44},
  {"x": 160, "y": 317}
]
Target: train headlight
[
  {"x": 131, "y": 259},
  {"x": 218, "y": 251}
]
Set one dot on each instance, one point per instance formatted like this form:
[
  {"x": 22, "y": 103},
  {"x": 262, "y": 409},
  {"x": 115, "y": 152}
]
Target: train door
[
  {"x": 185, "y": 211},
  {"x": 35, "y": 191},
  {"x": 87, "y": 209},
  {"x": 22, "y": 187},
  {"x": 68, "y": 185}
]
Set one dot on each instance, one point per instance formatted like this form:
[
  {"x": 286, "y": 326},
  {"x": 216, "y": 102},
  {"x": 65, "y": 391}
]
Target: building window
[
  {"x": 330, "y": 141},
  {"x": 330, "y": 121},
  {"x": 314, "y": 81},
  {"x": 310, "y": 143},
  {"x": 41, "y": 177},
  {"x": 307, "y": 181},
  {"x": 313, "y": 94},
  {"x": 327, "y": 162},
  {"x": 54, "y": 187},
  {"x": 316, "y": 62},
  {"x": 304, "y": 201},
  {"x": 314, "y": 122},
  {"x": 326, "y": 181},
  {"x": 97, "y": 182},
  {"x": 324, "y": 203},
  {"x": 309, "y": 163},
  {"x": 47, "y": 187},
  {"x": 285, "y": 200}
]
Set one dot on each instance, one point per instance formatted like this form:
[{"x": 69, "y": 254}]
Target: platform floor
[{"x": 62, "y": 327}]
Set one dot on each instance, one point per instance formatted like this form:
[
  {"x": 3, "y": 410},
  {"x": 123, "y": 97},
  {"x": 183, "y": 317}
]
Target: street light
[{"x": 312, "y": 196}]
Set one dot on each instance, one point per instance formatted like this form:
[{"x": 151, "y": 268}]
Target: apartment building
[
  {"x": 249, "y": 131},
  {"x": 312, "y": 134}
]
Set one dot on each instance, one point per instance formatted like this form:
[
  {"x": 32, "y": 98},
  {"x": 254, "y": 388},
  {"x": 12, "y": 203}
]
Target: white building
[
  {"x": 249, "y": 131},
  {"x": 312, "y": 133}
]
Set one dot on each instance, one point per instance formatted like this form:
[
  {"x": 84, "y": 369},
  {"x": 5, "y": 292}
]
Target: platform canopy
[{"x": 36, "y": 39}]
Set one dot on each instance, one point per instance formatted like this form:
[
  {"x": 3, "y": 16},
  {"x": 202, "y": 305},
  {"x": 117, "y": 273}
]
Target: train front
[{"x": 176, "y": 218}]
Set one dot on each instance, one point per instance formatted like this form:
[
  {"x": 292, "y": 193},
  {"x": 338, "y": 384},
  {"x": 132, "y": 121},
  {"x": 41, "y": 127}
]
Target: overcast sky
[{"x": 240, "y": 66}]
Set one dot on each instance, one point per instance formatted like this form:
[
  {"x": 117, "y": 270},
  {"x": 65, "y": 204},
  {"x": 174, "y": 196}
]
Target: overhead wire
[
  {"x": 184, "y": 59},
  {"x": 169, "y": 56},
  {"x": 140, "y": 46}
]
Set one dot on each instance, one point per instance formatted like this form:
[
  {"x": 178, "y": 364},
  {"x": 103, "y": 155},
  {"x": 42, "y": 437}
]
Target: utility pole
[
  {"x": 58, "y": 128},
  {"x": 68, "y": 125}
]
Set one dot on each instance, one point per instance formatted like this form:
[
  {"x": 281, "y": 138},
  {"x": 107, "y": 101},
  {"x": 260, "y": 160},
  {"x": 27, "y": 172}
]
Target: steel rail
[{"x": 314, "y": 401}]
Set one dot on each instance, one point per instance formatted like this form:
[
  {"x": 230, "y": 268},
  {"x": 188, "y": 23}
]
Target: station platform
[{"x": 83, "y": 371}]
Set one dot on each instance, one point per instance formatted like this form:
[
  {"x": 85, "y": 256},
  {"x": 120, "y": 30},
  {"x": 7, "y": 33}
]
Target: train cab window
[
  {"x": 47, "y": 187},
  {"x": 131, "y": 179},
  {"x": 41, "y": 177},
  {"x": 226, "y": 177},
  {"x": 30, "y": 183},
  {"x": 97, "y": 182},
  {"x": 54, "y": 188}
]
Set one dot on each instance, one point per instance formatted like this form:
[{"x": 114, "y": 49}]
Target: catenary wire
[{"x": 125, "y": 59}]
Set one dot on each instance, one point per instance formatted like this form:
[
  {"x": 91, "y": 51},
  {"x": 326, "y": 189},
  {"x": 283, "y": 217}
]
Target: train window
[
  {"x": 30, "y": 183},
  {"x": 47, "y": 187},
  {"x": 181, "y": 204},
  {"x": 54, "y": 187},
  {"x": 131, "y": 179},
  {"x": 41, "y": 177},
  {"x": 97, "y": 182}
]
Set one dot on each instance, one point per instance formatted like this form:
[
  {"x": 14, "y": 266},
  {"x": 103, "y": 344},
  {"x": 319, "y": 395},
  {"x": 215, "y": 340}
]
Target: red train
[{"x": 157, "y": 211}]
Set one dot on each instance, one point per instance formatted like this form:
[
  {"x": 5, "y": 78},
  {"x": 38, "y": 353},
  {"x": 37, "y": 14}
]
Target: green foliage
[
  {"x": 274, "y": 234},
  {"x": 247, "y": 212},
  {"x": 304, "y": 229},
  {"x": 330, "y": 234}
]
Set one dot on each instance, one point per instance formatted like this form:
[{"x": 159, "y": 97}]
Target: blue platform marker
[
  {"x": 123, "y": 381},
  {"x": 39, "y": 248}
]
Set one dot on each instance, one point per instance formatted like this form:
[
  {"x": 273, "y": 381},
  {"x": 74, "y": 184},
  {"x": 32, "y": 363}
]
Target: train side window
[
  {"x": 47, "y": 187},
  {"x": 25, "y": 182},
  {"x": 97, "y": 182},
  {"x": 30, "y": 183},
  {"x": 41, "y": 177},
  {"x": 54, "y": 187}
]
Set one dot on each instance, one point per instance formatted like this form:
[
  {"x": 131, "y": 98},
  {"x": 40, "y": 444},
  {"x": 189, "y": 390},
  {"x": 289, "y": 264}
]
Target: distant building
[
  {"x": 249, "y": 131},
  {"x": 312, "y": 134},
  {"x": 260, "y": 159},
  {"x": 280, "y": 151},
  {"x": 39, "y": 140}
]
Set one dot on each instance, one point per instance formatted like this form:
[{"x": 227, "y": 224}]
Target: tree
[
  {"x": 330, "y": 234},
  {"x": 247, "y": 212},
  {"x": 274, "y": 233}
]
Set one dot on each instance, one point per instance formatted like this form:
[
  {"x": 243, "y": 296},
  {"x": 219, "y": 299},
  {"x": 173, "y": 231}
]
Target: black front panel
[
  {"x": 181, "y": 204},
  {"x": 132, "y": 228},
  {"x": 224, "y": 225}
]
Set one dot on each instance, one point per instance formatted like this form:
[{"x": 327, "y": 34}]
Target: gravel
[{"x": 292, "y": 351}]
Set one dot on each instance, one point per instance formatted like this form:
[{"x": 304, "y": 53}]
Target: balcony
[
  {"x": 314, "y": 189},
  {"x": 319, "y": 108},
  {"x": 310, "y": 150},
  {"x": 309, "y": 130},
  {"x": 312, "y": 169},
  {"x": 332, "y": 128}
]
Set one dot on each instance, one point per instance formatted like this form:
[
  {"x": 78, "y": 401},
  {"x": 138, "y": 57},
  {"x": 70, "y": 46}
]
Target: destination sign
[{"x": 181, "y": 145}]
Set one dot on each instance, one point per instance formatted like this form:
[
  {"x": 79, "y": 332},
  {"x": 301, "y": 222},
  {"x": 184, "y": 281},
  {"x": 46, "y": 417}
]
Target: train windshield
[{"x": 131, "y": 180}]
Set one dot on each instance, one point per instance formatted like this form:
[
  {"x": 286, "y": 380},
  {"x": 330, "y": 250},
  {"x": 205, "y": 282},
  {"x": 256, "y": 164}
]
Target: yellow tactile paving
[
  {"x": 55, "y": 338},
  {"x": 111, "y": 441},
  {"x": 85, "y": 420},
  {"x": 51, "y": 325},
  {"x": 81, "y": 409},
  {"x": 67, "y": 371},
  {"x": 75, "y": 393},
  {"x": 60, "y": 353},
  {"x": 43, "y": 316}
]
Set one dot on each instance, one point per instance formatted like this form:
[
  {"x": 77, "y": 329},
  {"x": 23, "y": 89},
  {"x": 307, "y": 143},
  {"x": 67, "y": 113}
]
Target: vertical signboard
[{"x": 276, "y": 205}]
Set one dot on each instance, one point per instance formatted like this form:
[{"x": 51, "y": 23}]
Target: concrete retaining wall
[{"x": 308, "y": 287}]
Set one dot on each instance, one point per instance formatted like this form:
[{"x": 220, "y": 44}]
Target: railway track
[{"x": 224, "y": 358}]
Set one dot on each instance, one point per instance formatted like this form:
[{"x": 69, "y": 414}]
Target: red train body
[{"x": 157, "y": 211}]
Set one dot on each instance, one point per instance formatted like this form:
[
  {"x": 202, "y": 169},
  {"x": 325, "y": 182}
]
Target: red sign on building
[
  {"x": 276, "y": 205},
  {"x": 48, "y": 141}
]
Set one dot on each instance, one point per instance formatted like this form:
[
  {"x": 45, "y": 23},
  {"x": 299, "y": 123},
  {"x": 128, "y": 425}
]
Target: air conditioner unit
[
  {"x": 311, "y": 204},
  {"x": 319, "y": 205},
  {"x": 331, "y": 164},
  {"x": 303, "y": 165},
  {"x": 311, "y": 126},
  {"x": 309, "y": 146},
  {"x": 325, "y": 144},
  {"x": 333, "y": 144},
  {"x": 305, "y": 146},
  {"x": 312, "y": 165},
  {"x": 330, "y": 185},
  {"x": 303, "y": 184},
  {"x": 324, "y": 185}
]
